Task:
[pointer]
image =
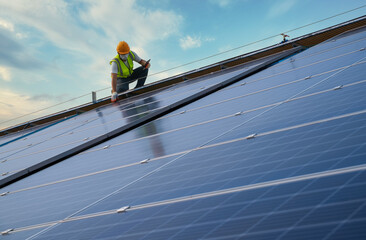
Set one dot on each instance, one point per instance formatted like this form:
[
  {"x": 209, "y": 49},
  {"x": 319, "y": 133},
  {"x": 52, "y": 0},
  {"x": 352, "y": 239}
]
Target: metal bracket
[
  {"x": 4, "y": 193},
  {"x": 338, "y": 87},
  {"x": 6, "y": 232},
  {"x": 123, "y": 209},
  {"x": 251, "y": 136},
  {"x": 145, "y": 161}
]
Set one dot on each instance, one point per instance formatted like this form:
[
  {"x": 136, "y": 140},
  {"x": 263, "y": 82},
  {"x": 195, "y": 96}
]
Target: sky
[{"x": 54, "y": 53}]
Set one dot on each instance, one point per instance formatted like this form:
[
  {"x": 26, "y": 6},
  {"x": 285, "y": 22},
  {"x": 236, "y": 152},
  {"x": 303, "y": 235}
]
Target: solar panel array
[{"x": 277, "y": 155}]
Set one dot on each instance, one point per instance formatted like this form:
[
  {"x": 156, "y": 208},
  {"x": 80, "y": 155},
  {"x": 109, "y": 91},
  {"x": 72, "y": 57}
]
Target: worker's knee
[{"x": 122, "y": 85}]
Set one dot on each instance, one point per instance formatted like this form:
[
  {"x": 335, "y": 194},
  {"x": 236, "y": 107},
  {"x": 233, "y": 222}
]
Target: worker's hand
[
  {"x": 146, "y": 64},
  {"x": 114, "y": 97}
]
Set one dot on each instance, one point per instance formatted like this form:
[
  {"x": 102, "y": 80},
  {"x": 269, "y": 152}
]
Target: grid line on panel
[
  {"x": 312, "y": 210},
  {"x": 312, "y": 64},
  {"x": 348, "y": 219},
  {"x": 259, "y": 215},
  {"x": 301, "y": 58},
  {"x": 306, "y": 227},
  {"x": 280, "y": 103},
  {"x": 50, "y": 148},
  {"x": 247, "y": 83},
  {"x": 318, "y": 175},
  {"x": 95, "y": 173},
  {"x": 266, "y": 89},
  {"x": 226, "y": 100},
  {"x": 199, "y": 148}
]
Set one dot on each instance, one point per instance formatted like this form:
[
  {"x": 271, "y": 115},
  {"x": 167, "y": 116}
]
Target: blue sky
[{"x": 55, "y": 50}]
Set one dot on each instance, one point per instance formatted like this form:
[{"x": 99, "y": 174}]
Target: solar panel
[
  {"x": 67, "y": 134},
  {"x": 279, "y": 157}
]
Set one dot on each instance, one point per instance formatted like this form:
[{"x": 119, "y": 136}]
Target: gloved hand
[
  {"x": 147, "y": 64},
  {"x": 114, "y": 97}
]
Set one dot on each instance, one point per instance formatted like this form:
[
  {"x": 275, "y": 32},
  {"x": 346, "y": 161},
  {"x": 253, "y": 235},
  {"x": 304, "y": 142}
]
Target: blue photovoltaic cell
[{"x": 323, "y": 207}]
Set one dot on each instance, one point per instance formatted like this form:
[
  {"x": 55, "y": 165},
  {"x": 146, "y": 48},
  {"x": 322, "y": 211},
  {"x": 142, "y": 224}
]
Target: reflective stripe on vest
[{"x": 124, "y": 71}]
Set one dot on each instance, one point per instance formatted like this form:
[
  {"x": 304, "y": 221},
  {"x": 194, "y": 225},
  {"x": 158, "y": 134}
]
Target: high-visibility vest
[{"x": 124, "y": 71}]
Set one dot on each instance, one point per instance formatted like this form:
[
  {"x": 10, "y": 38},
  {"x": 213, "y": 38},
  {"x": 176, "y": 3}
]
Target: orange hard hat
[{"x": 123, "y": 48}]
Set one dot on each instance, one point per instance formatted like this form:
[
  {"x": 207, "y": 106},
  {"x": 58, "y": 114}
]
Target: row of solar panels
[{"x": 277, "y": 155}]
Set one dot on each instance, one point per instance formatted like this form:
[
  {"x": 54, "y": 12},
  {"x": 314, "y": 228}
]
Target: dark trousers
[{"x": 139, "y": 74}]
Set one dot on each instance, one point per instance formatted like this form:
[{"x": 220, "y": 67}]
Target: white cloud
[
  {"x": 5, "y": 74},
  {"x": 134, "y": 24},
  {"x": 21, "y": 35},
  {"x": 108, "y": 22},
  {"x": 51, "y": 18},
  {"x": 14, "y": 105},
  {"x": 281, "y": 7},
  {"x": 17, "y": 108},
  {"x": 6, "y": 25},
  {"x": 189, "y": 42}
]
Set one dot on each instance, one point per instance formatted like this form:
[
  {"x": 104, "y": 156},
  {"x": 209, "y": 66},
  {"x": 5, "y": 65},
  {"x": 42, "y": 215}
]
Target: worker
[{"x": 122, "y": 72}]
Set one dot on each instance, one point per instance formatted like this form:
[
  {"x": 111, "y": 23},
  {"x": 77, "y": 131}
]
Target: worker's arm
[
  {"x": 143, "y": 63},
  {"x": 114, "y": 82},
  {"x": 114, "y": 87}
]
